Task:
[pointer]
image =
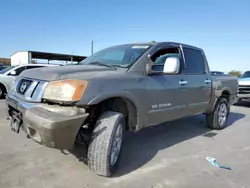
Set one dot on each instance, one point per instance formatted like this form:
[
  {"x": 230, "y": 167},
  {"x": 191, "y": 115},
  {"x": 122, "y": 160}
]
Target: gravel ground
[{"x": 169, "y": 155}]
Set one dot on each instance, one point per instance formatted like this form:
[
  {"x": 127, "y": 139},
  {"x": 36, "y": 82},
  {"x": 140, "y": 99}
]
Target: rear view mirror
[
  {"x": 171, "y": 65},
  {"x": 13, "y": 73}
]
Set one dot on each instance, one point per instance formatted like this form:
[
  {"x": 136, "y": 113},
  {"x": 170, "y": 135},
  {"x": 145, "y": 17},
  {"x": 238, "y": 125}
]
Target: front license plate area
[{"x": 16, "y": 119}]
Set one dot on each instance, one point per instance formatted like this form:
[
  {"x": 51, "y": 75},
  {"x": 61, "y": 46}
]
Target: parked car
[
  {"x": 217, "y": 73},
  {"x": 8, "y": 75},
  {"x": 118, "y": 89},
  {"x": 3, "y": 67},
  {"x": 244, "y": 86}
]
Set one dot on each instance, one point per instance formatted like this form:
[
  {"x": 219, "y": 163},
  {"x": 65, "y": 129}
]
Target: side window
[
  {"x": 194, "y": 61},
  {"x": 32, "y": 67},
  {"x": 160, "y": 56},
  {"x": 19, "y": 70}
]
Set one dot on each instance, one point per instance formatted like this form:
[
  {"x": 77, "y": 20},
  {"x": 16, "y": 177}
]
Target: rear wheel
[
  {"x": 218, "y": 118},
  {"x": 106, "y": 143}
]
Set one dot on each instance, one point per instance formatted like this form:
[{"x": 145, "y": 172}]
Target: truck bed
[{"x": 227, "y": 81}]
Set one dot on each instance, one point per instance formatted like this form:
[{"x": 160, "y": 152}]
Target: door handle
[
  {"x": 207, "y": 81},
  {"x": 182, "y": 82}
]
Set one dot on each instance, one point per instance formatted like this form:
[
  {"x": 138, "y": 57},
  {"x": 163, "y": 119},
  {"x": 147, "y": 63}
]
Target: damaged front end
[{"x": 54, "y": 125}]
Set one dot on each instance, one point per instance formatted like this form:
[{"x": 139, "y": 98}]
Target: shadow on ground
[
  {"x": 233, "y": 117},
  {"x": 242, "y": 104},
  {"x": 139, "y": 148}
]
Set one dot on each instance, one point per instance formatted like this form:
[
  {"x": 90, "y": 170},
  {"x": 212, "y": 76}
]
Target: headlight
[{"x": 65, "y": 90}]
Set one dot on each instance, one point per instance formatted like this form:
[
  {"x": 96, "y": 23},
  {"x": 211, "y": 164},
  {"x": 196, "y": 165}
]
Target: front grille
[
  {"x": 23, "y": 86},
  {"x": 28, "y": 90},
  {"x": 244, "y": 89}
]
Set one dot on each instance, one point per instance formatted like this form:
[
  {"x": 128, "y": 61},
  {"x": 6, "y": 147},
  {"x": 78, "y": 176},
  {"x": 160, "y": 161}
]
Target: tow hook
[{"x": 15, "y": 124}]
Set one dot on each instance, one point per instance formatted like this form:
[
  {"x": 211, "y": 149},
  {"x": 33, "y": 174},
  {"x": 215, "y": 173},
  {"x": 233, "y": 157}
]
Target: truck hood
[
  {"x": 244, "y": 79},
  {"x": 67, "y": 72}
]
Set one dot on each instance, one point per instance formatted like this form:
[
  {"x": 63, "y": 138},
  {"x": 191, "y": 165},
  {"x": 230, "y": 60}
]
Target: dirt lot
[{"x": 170, "y": 155}]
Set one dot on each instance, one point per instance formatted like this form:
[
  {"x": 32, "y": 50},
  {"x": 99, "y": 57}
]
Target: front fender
[
  {"x": 104, "y": 96},
  {"x": 7, "y": 83},
  {"x": 5, "y": 86},
  {"x": 136, "y": 100}
]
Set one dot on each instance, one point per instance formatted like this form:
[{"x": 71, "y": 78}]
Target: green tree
[{"x": 235, "y": 73}]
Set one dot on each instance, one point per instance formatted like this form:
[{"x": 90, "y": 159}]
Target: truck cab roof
[{"x": 165, "y": 43}]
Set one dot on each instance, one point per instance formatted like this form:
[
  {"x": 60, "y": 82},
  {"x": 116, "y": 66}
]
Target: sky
[{"x": 220, "y": 27}]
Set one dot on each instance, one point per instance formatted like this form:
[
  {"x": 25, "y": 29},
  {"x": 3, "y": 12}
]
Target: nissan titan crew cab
[{"x": 118, "y": 89}]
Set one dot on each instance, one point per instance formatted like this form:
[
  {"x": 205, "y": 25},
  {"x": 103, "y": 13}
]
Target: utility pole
[{"x": 92, "y": 47}]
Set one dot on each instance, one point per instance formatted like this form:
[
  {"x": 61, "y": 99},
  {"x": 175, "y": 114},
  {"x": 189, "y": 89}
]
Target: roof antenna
[{"x": 92, "y": 47}]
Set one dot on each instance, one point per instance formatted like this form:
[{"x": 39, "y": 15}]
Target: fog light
[{"x": 33, "y": 134}]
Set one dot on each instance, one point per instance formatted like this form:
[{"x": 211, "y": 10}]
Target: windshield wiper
[
  {"x": 101, "y": 64},
  {"x": 121, "y": 66}
]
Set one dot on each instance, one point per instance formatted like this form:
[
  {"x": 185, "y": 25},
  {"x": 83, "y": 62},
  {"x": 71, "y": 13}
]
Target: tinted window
[
  {"x": 19, "y": 70},
  {"x": 32, "y": 67},
  {"x": 246, "y": 75},
  {"x": 194, "y": 61},
  {"x": 217, "y": 72}
]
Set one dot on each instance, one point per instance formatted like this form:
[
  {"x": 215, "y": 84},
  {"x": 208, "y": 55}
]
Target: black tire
[
  {"x": 2, "y": 92},
  {"x": 212, "y": 119},
  {"x": 100, "y": 145}
]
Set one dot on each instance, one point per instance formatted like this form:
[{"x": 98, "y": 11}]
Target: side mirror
[
  {"x": 170, "y": 66},
  {"x": 13, "y": 73}
]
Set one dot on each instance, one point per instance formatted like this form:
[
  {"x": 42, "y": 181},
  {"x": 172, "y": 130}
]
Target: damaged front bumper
[{"x": 50, "y": 125}]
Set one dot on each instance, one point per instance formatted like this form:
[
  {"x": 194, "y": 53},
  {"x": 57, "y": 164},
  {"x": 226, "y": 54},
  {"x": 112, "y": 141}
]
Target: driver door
[{"x": 166, "y": 95}]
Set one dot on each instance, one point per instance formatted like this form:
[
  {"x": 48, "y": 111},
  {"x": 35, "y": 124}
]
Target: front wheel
[
  {"x": 218, "y": 118},
  {"x": 2, "y": 92},
  {"x": 106, "y": 143}
]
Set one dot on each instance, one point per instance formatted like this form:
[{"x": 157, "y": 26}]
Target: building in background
[
  {"x": 28, "y": 57},
  {"x": 4, "y": 61}
]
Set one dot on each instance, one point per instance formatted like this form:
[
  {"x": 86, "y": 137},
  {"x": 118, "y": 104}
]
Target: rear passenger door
[{"x": 198, "y": 81}]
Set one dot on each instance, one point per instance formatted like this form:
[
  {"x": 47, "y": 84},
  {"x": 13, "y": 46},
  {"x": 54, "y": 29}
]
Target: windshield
[
  {"x": 118, "y": 56},
  {"x": 6, "y": 69},
  {"x": 246, "y": 75}
]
